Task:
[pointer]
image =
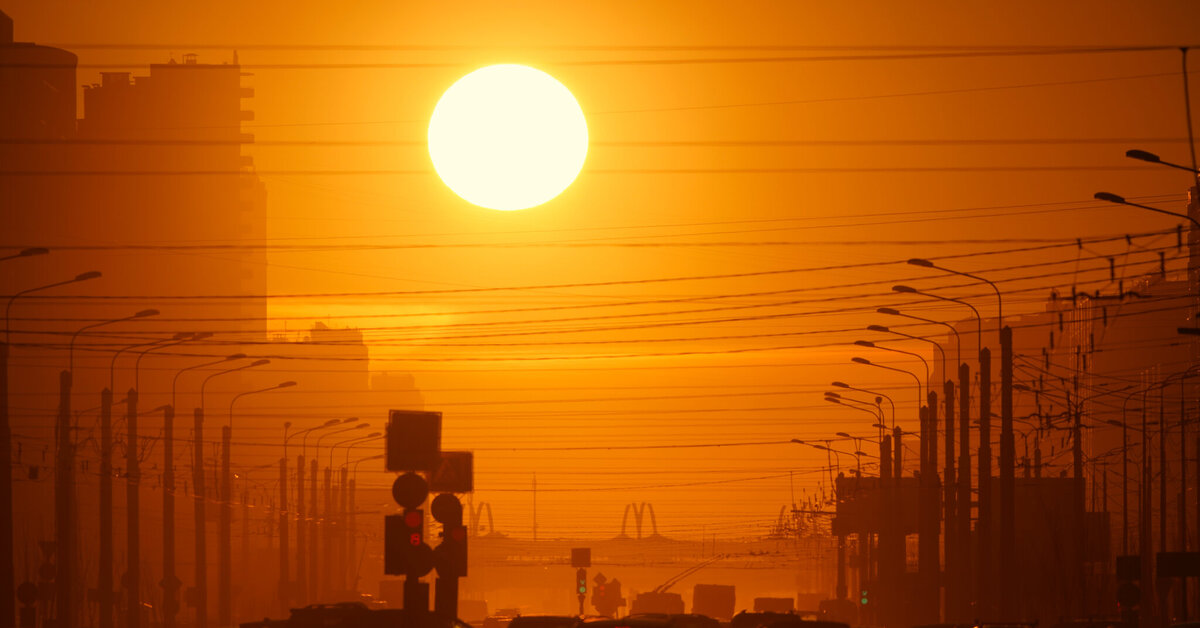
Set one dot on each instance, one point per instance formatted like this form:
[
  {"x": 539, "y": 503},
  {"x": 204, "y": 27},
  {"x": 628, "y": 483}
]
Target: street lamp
[
  {"x": 871, "y": 345},
  {"x": 878, "y": 397},
  {"x": 8, "y": 307},
  {"x": 1124, "y": 483},
  {"x": 287, "y": 384},
  {"x": 1149, "y": 157},
  {"x": 302, "y": 555},
  {"x": 201, "y": 559},
  {"x": 7, "y": 569},
  {"x": 74, "y": 336},
  {"x": 26, "y": 253},
  {"x": 1120, "y": 200},
  {"x": 936, "y": 344},
  {"x": 978, "y": 319},
  {"x": 351, "y": 444},
  {"x": 875, "y": 411},
  {"x": 362, "y": 441},
  {"x": 924, "y": 263},
  {"x": 957, "y": 340},
  {"x": 132, "y": 494},
  {"x": 170, "y": 582},
  {"x": 64, "y": 476},
  {"x": 866, "y": 362},
  {"x": 225, "y": 531},
  {"x": 354, "y": 466},
  {"x": 318, "y": 579}
]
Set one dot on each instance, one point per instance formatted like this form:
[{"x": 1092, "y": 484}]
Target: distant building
[{"x": 37, "y": 89}]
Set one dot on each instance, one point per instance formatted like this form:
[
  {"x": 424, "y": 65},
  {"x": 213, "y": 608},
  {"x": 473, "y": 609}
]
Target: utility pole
[
  {"x": 887, "y": 525},
  {"x": 245, "y": 531},
  {"x": 7, "y": 564},
  {"x": 931, "y": 513},
  {"x": 897, "y": 559},
  {"x": 284, "y": 568},
  {"x": 133, "y": 537},
  {"x": 105, "y": 578},
  {"x": 224, "y": 535},
  {"x": 326, "y": 581},
  {"x": 351, "y": 542},
  {"x": 984, "y": 526},
  {"x": 963, "y": 503},
  {"x": 1074, "y": 405},
  {"x": 950, "y": 537},
  {"x": 313, "y": 540},
  {"x": 201, "y": 533},
  {"x": 1183, "y": 583},
  {"x": 301, "y": 545},
  {"x": 170, "y": 582},
  {"x": 64, "y": 488},
  {"x": 1008, "y": 454}
]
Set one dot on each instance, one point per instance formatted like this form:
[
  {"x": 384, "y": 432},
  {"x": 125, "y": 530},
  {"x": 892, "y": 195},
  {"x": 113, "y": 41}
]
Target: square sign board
[
  {"x": 414, "y": 440},
  {"x": 454, "y": 474}
]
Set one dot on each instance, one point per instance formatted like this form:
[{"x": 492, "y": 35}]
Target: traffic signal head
[
  {"x": 450, "y": 557},
  {"x": 864, "y": 597},
  {"x": 414, "y": 527},
  {"x": 581, "y": 581},
  {"x": 405, "y": 550}
]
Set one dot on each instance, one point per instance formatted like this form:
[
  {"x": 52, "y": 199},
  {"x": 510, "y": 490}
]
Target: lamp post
[
  {"x": 7, "y": 563},
  {"x": 957, "y": 340},
  {"x": 362, "y": 441},
  {"x": 320, "y": 577},
  {"x": 936, "y": 345},
  {"x": 133, "y": 478},
  {"x": 1120, "y": 200},
  {"x": 902, "y": 289},
  {"x": 170, "y": 581},
  {"x": 866, "y": 362},
  {"x": 878, "y": 397},
  {"x": 875, "y": 412},
  {"x": 105, "y": 577},
  {"x": 225, "y": 522},
  {"x": 198, "y": 484},
  {"x": 37, "y": 250},
  {"x": 1008, "y": 452},
  {"x": 963, "y": 500},
  {"x": 1149, "y": 157},
  {"x": 64, "y": 477},
  {"x": 339, "y": 563},
  {"x": 1124, "y": 483},
  {"x": 224, "y": 553},
  {"x": 302, "y": 554}
]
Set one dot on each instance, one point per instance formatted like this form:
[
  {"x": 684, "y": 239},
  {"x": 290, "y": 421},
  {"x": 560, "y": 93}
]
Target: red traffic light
[{"x": 413, "y": 518}]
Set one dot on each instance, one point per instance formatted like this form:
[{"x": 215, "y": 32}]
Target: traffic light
[
  {"x": 864, "y": 597},
  {"x": 450, "y": 557},
  {"x": 405, "y": 551},
  {"x": 581, "y": 581}
]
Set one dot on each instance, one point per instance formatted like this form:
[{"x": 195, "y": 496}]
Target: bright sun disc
[{"x": 508, "y": 137}]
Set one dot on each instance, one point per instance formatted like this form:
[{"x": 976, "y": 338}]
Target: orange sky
[{"x": 879, "y": 154}]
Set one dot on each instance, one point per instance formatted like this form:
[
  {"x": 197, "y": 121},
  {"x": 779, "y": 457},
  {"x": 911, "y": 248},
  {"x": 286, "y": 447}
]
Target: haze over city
[{"x": 691, "y": 282}]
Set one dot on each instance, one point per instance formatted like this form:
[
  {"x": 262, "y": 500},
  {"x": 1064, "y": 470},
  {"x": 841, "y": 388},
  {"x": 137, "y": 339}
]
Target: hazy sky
[{"x": 701, "y": 164}]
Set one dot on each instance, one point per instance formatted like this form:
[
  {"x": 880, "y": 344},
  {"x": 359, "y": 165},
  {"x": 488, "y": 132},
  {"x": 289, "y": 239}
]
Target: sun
[{"x": 508, "y": 137}]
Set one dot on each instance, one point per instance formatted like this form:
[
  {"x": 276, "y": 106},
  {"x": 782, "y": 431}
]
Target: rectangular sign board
[
  {"x": 455, "y": 473},
  {"x": 414, "y": 440},
  {"x": 581, "y": 557}
]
